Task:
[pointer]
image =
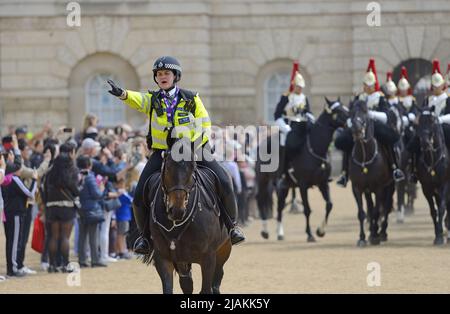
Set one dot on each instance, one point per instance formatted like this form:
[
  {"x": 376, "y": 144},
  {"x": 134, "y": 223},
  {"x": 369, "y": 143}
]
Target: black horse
[
  {"x": 184, "y": 221},
  {"x": 311, "y": 168},
  {"x": 433, "y": 169},
  {"x": 369, "y": 173}
]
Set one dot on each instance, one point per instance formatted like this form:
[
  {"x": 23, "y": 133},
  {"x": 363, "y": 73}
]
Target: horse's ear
[
  {"x": 328, "y": 101},
  {"x": 170, "y": 139},
  {"x": 339, "y": 99}
]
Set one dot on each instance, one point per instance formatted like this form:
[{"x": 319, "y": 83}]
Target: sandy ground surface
[{"x": 408, "y": 261}]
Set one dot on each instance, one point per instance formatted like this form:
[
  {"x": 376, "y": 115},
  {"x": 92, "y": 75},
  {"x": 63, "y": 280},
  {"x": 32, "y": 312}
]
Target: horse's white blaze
[{"x": 280, "y": 229}]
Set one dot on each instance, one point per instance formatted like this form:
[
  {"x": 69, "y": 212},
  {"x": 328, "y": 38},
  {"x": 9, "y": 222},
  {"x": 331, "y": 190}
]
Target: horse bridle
[
  {"x": 429, "y": 147},
  {"x": 363, "y": 141},
  {"x": 179, "y": 187}
]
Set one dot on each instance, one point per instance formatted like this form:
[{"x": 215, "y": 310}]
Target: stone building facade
[{"x": 236, "y": 54}]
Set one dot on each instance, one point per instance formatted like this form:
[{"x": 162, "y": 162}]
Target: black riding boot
[
  {"x": 230, "y": 208},
  {"x": 343, "y": 179},
  {"x": 397, "y": 173},
  {"x": 282, "y": 181},
  {"x": 143, "y": 244}
]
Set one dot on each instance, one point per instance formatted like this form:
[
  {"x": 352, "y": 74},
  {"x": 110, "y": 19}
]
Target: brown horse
[{"x": 184, "y": 221}]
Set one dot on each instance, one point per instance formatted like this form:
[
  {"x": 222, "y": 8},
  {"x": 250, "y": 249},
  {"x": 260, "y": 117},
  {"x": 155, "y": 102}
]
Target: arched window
[
  {"x": 274, "y": 86},
  {"x": 419, "y": 73},
  {"x": 109, "y": 109}
]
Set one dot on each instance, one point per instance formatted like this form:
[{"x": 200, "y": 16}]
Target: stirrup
[
  {"x": 239, "y": 237},
  {"x": 342, "y": 181},
  {"x": 398, "y": 175},
  {"x": 138, "y": 250}
]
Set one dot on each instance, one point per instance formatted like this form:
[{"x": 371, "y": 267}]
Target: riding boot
[
  {"x": 230, "y": 211},
  {"x": 282, "y": 181},
  {"x": 397, "y": 172},
  {"x": 143, "y": 244},
  {"x": 343, "y": 179}
]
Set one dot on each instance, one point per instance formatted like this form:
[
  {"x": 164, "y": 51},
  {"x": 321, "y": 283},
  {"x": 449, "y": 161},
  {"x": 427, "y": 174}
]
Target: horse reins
[{"x": 364, "y": 163}]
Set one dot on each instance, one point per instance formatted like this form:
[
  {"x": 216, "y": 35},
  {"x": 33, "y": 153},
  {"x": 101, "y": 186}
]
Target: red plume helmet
[{"x": 294, "y": 70}]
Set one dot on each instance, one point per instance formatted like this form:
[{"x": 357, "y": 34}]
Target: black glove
[{"x": 115, "y": 90}]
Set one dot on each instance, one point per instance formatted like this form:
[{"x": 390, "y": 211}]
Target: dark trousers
[
  {"x": 88, "y": 231},
  {"x": 26, "y": 233},
  {"x": 14, "y": 239}
]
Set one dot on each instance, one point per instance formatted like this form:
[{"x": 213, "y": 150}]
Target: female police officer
[{"x": 172, "y": 106}]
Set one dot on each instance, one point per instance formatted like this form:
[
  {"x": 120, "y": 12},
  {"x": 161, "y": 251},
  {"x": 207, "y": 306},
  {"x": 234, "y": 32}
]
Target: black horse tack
[
  {"x": 311, "y": 167},
  {"x": 185, "y": 224},
  {"x": 370, "y": 174}
]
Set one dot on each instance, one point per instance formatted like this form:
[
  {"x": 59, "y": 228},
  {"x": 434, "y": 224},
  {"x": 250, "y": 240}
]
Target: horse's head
[
  {"x": 177, "y": 178},
  {"x": 360, "y": 121},
  {"x": 339, "y": 113},
  {"x": 427, "y": 128}
]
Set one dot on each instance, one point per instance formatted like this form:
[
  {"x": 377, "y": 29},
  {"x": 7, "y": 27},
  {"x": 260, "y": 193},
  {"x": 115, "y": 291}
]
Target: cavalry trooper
[
  {"x": 447, "y": 79},
  {"x": 385, "y": 124},
  {"x": 293, "y": 106},
  {"x": 168, "y": 107},
  {"x": 406, "y": 100},
  {"x": 407, "y": 105},
  {"x": 441, "y": 102}
]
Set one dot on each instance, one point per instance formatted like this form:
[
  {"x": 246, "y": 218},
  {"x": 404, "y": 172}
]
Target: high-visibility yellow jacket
[{"x": 191, "y": 123}]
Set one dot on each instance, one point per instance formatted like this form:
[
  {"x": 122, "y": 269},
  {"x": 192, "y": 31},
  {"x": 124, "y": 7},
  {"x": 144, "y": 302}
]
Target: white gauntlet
[
  {"x": 284, "y": 127},
  {"x": 379, "y": 116}
]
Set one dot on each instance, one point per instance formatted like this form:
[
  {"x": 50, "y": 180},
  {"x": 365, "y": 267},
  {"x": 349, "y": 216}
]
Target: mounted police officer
[
  {"x": 293, "y": 117},
  {"x": 168, "y": 107},
  {"x": 385, "y": 125}
]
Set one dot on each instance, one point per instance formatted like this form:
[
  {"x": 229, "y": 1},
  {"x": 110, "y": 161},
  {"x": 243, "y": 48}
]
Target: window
[
  {"x": 109, "y": 109},
  {"x": 275, "y": 85}
]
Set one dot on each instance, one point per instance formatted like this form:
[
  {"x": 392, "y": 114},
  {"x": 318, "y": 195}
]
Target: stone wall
[{"x": 227, "y": 48}]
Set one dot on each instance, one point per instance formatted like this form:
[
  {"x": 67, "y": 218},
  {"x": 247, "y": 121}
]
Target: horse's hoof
[
  {"x": 400, "y": 220},
  {"x": 361, "y": 243},
  {"x": 320, "y": 232},
  {"x": 280, "y": 237},
  {"x": 438, "y": 241},
  {"x": 383, "y": 237},
  {"x": 265, "y": 234},
  {"x": 374, "y": 240},
  {"x": 311, "y": 239}
]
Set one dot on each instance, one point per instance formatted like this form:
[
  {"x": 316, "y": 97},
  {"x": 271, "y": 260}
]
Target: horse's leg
[
  {"x": 361, "y": 216},
  {"x": 282, "y": 193},
  {"x": 307, "y": 212},
  {"x": 208, "y": 267},
  {"x": 185, "y": 274},
  {"x": 441, "y": 210},
  {"x": 295, "y": 209},
  {"x": 222, "y": 256},
  {"x": 401, "y": 187},
  {"x": 428, "y": 192},
  {"x": 165, "y": 270},
  {"x": 374, "y": 237},
  {"x": 325, "y": 190},
  {"x": 264, "y": 202},
  {"x": 388, "y": 204}
]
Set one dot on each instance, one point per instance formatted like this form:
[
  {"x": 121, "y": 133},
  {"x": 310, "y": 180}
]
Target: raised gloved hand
[{"x": 116, "y": 90}]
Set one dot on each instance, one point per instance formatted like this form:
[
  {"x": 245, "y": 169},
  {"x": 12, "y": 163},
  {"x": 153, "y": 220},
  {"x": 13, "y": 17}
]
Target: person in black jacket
[
  {"x": 15, "y": 195},
  {"x": 60, "y": 197},
  {"x": 91, "y": 212}
]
